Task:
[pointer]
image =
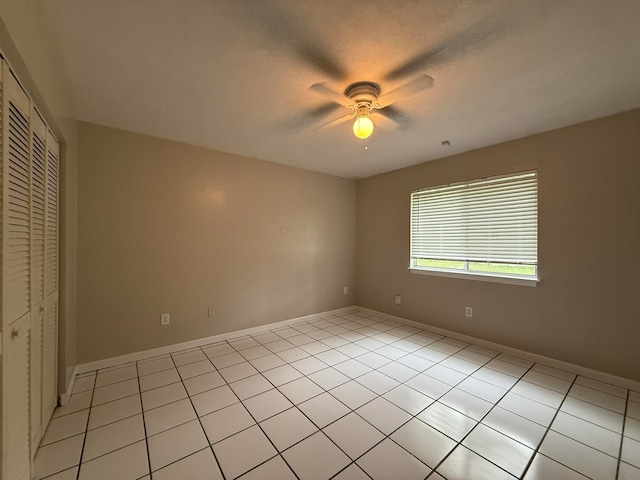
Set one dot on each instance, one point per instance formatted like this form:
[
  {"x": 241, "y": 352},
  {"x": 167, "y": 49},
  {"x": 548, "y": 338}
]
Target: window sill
[{"x": 483, "y": 277}]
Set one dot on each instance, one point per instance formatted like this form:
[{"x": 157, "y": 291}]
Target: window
[{"x": 484, "y": 229}]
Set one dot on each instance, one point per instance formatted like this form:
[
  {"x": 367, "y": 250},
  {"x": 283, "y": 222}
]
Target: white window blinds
[{"x": 488, "y": 220}]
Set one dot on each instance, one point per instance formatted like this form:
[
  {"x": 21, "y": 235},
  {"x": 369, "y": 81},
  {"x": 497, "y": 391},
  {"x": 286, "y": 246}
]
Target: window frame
[{"x": 514, "y": 279}]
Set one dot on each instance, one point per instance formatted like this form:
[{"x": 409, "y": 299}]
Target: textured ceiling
[{"x": 235, "y": 75}]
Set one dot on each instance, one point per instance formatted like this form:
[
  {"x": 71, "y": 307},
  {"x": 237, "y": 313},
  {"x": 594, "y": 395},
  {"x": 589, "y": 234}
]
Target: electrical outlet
[
  {"x": 210, "y": 312},
  {"x": 398, "y": 299},
  {"x": 468, "y": 312},
  {"x": 346, "y": 290},
  {"x": 165, "y": 319}
]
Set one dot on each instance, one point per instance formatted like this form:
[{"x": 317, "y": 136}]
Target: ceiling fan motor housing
[{"x": 363, "y": 92}]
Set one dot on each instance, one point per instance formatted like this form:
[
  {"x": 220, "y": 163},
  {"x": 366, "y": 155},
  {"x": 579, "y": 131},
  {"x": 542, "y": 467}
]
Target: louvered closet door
[
  {"x": 16, "y": 208},
  {"x": 36, "y": 380},
  {"x": 38, "y": 184},
  {"x": 16, "y": 274},
  {"x": 51, "y": 213},
  {"x": 50, "y": 359},
  {"x": 50, "y": 331},
  {"x": 15, "y": 422}
]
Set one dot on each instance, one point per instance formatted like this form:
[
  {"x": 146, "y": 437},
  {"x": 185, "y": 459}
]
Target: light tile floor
[{"x": 348, "y": 397}]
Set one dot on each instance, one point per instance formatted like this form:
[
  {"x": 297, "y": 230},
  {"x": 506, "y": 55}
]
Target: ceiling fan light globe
[{"x": 363, "y": 127}]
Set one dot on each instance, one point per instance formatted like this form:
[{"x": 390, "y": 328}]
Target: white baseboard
[
  {"x": 64, "y": 397},
  {"x": 132, "y": 357},
  {"x": 533, "y": 357},
  {"x": 176, "y": 347}
]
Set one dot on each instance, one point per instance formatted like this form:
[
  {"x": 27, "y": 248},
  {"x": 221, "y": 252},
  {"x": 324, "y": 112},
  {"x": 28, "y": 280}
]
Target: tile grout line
[
  {"x": 209, "y": 446},
  {"x": 86, "y": 430},
  {"x": 497, "y": 355},
  {"x": 319, "y": 430},
  {"x": 596, "y": 405},
  {"x": 293, "y": 405},
  {"x": 593, "y": 423},
  {"x": 144, "y": 420},
  {"x": 348, "y": 341},
  {"x": 308, "y": 356},
  {"x": 225, "y": 381},
  {"x": 385, "y": 436},
  {"x": 184, "y": 423},
  {"x": 453, "y": 354},
  {"x": 494, "y": 405},
  {"x": 555, "y": 415},
  {"x": 196, "y": 412},
  {"x": 240, "y": 352},
  {"x": 278, "y": 453},
  {"x": 624, "y": 421},
  {"x": 581, "y": 442},
  {"x": 412, "y": 416}
]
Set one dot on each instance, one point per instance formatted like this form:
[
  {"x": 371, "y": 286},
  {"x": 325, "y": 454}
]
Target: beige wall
[
  {"x": 587, "y": 308},
  {"x": 139, "y": 208},
  {"x": 167, "y": 227},
  {"x": 30, "y": 49}
]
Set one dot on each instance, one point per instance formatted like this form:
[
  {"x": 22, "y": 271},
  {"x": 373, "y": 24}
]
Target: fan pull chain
[{"x": 366, "y": 147}]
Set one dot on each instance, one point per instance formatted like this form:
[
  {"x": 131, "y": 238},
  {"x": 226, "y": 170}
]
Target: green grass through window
[
  {"x": 424, "y": 262},
  {"x": 508, "y": 269}
]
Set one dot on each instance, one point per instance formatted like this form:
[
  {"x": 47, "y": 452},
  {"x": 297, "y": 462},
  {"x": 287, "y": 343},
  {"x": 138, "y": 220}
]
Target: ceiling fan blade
[
  {"x": 475, "y": 38},
  {"x": 289, "y": 32},
  {"x": 323, "y": 89},
  {"x": 416, "y": 84},
  {"x": 396, "y": 115},
  {"x": 383, "y": 121},
  {"x": 335, "y": 122},
  {"x": 309, "y": 117}
]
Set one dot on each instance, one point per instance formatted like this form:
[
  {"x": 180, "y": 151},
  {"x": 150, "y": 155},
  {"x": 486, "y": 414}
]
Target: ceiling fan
[
  {"x": 364, "y": 100},
  {"x": 290, "y": 30}
]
